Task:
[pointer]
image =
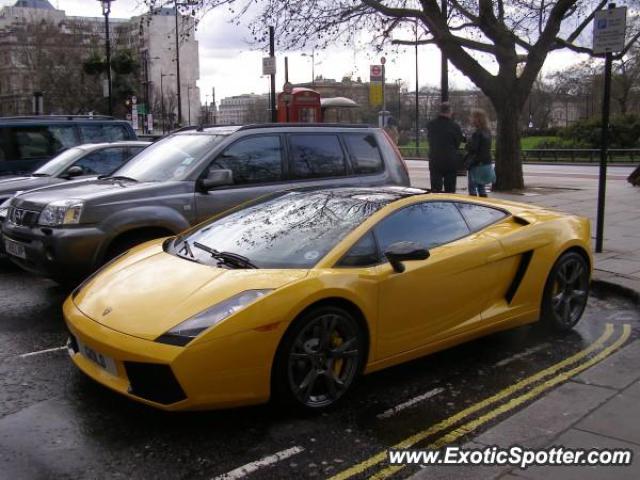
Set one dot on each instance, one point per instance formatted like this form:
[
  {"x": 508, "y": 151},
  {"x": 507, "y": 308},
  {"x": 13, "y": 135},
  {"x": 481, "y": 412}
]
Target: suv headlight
[
  {"x": 186, "y": 331},
  {"x": 61, "y": 212},
  {"x": 4, "y": 209}
]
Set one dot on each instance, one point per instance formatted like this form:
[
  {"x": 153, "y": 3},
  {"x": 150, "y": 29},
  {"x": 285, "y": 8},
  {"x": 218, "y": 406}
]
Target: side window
[
  {"x": 64, "y": 136},
  {"x": 429, "y": 223},
  {"x": 317, "y": 156},
  {"x": 365, "y": 154},
  {"x": 102, "y": 162},
  {"x": 32, "y": 142},
  {"x": 91, "y": 134},
  {"x": 253, "y": 160},
  {"x": 479, "y": 216},
  {"x": 363, "y": 254},
  {"x": 115, "y": 133},
  {"x": 133, "y": 151}
]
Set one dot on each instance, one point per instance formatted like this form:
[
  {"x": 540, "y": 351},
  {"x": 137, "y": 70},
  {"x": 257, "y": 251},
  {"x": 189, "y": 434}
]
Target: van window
[
  {"x": 103, "y": 133},
  {"x": 316, "y": 156},
  {"x": 32, "y": 142},
  {"x": 64, "y": 136},
  {"x": 365, "y": 154}
]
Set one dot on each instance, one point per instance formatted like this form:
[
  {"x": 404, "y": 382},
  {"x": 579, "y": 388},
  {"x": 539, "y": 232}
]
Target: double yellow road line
[{"x": 553, "y": 376}]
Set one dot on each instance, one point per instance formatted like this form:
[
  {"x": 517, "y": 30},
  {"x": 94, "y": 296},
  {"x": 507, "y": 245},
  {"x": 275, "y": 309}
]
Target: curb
[{"x": 605, "y": 287}]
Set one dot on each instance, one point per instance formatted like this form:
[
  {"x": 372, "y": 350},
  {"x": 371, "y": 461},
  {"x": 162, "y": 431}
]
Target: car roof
[
  {"x": 124, "y": 143},
  {"x": 48, "y": 119},
  {"x": 229, "y": 129},
  {"x": 392, "y": 193}
]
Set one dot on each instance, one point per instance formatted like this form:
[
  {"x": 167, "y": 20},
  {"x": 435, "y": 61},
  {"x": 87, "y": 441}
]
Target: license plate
[
  {"x": 104, "y": 362},
  {"x": 14, "y": 248}
]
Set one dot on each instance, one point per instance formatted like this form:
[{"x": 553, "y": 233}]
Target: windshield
[
  {"x": 294, "y": 230},
  {"x": 169, "y": 159},
  {"x": 60, "y": 163}
]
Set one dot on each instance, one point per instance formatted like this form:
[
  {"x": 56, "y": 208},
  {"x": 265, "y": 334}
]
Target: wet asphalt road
[{"x": 57, "y": 423}]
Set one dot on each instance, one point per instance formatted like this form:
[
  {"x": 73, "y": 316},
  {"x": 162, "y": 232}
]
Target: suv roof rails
[
  {"x": 60, "y": 117},
  {"x": 316, "y": 125}
]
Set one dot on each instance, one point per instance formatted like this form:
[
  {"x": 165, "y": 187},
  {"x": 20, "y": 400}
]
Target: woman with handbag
[{"x": 478, "y": 161}]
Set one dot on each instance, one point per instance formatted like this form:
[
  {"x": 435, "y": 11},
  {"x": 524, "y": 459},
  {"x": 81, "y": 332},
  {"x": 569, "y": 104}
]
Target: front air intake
[{"x": 154, "y": 381}]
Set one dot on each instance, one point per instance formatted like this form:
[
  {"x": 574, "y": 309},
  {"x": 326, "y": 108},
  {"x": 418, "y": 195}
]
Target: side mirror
[
  {"x": 217, "y": 178},
  {"x": 402, "y": 251},
  {"x": 74, "y": 171}
]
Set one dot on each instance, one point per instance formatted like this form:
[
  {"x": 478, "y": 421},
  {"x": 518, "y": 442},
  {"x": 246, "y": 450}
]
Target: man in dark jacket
[{"x": 444, "y": 137}]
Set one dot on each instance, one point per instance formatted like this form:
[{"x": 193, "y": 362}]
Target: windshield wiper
[
  {"x": 116, "y": 177},
  {"x": 227, "y": 257},
  {"x": 40, "y": 175},
  {"x": 186, "y": 248}
]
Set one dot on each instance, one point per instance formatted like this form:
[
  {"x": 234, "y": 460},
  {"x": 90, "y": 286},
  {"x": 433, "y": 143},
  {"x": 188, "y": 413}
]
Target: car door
[
  {"x": 258, "y": 167},
  {"x": 438, "y": 297}
]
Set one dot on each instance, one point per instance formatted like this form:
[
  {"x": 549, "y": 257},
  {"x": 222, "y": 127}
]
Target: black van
[{"x": 28, "y": 142}]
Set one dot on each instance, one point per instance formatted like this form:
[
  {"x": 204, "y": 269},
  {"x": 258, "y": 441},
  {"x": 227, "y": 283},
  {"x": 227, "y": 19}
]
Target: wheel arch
[
  {"x": 334, "y": 301},
  {"x": 148, "y": 232}
]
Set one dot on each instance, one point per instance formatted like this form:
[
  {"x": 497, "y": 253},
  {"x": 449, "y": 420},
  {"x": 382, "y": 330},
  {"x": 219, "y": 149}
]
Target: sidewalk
[{"x": 600, "y": 407}]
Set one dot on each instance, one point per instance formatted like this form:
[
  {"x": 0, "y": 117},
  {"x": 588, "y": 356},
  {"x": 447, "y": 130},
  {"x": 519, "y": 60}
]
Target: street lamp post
[
  {"x": 189, "y": 88},
  {"x": 162, "y": 75},
  {"x": 106, "y": 10},
  {"x": 313, "y": 64}
]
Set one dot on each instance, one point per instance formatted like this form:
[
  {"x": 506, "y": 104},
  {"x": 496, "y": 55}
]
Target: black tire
[
  {"x": 566, "y": 292},
  {"x": 318, "y": 359}
]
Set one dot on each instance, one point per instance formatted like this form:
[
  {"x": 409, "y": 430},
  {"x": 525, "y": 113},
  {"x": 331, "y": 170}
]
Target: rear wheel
[
  {"x": 318, "y": 359},
  {"x": 566, "y": 292}
]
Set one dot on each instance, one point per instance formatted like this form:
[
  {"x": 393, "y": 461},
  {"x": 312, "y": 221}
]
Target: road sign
[
  {"x": 134, "y": 99},
  {"x": 383, "y": 60},
  {"x": 269, "y": 66},
  {"x": 287, "y": 87},
  {"x": 609, "y": 28},
  {"x": 375, "y": 94},
  {"x": 375, "y": 73}
]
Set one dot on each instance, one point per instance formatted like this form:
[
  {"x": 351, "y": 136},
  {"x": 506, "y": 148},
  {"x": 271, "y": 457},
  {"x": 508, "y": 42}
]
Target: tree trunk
[{"x": 508, "y": 161}]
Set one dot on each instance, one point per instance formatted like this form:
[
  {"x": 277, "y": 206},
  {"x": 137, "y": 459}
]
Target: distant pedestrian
[
  {"x": 444, "y": 136},
  {"x": 478, "y": 158}
]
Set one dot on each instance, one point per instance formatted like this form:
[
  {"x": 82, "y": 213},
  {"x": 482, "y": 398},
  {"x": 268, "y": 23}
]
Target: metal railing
[{"x": 547, "y": 155}]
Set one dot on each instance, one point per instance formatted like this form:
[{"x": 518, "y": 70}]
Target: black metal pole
[
  {"x": 384, "y": 100},
  {"x": 108, "y": 49},
  {"x": 417, "y": 98},
  {"x": 272, "y": 53},
  {"x": 147, "y": 108},
  {"x": 286, "y": 80},
  {"x": 178, "y": 66},
  {"x": 444, "y": 69},
  {"x": 604, "y": 147},
  {"x": 189, "y": 102},
  {"x": 162, "y": 100}
]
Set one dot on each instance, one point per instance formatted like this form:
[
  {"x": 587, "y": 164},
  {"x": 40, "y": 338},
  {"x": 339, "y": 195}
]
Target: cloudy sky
[{"x": 233, "y": 66}]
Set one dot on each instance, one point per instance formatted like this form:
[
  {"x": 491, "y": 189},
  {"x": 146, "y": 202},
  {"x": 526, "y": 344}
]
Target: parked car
[
  {"x": 26, "y": 143},
  {"x": 83, "y": 161},
  {"x": 294, "y": 297},
  {"x": 67, "y": 231}
]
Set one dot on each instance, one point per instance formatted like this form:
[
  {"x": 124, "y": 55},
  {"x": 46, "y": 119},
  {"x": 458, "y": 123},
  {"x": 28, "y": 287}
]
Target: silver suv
[{"x": 65, "y": 232}]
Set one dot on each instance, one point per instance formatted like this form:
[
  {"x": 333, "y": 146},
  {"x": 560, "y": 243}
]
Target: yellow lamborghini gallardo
[{"x": 294, "y": 296}]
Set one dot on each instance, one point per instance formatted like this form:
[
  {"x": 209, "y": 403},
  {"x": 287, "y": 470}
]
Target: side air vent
[
  {"x": 525, "y": 260},
  {"x": 520, "y": 221}
]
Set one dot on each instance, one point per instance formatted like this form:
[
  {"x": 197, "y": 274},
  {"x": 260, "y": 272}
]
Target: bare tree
[{"x": 501, "y": 46}]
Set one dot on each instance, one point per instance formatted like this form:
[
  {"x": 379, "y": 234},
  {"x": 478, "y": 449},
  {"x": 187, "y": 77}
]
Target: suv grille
[{"x": 22, "y": 217}]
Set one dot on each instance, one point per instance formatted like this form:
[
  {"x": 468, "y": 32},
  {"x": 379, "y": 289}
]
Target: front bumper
[
  {"x": 206, "y": 375},
  {"x": 58, "y": 253}
]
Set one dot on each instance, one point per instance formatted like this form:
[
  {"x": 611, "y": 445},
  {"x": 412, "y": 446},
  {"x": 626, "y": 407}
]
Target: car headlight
[
  {"x": 61, "y": 212},
  {"x": 4, "y": 209},
  {"x": 186, "y": 331}
]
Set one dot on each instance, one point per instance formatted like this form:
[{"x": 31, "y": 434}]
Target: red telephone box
[{"x": 302, "y": 105}]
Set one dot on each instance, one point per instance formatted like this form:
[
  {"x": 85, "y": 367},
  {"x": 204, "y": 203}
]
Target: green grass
[{"x": 526, "y": 143}]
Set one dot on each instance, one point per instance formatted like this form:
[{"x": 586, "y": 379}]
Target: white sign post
[
  {"x": 269, "y": 66},
  {"x": 609, "y": 28},
  {"x": 608, "y": 37}
]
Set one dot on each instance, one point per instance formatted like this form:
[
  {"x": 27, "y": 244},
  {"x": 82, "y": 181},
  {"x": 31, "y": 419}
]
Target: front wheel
[
  {"x": 319, "y": 359},
  {"x": 566, "y": 292}
]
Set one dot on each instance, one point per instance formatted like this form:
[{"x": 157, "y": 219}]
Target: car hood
[
  {"x": 87, "y": 190},
  {"x": 148, "y": 291},
  {"x": 9, "y": 186}
]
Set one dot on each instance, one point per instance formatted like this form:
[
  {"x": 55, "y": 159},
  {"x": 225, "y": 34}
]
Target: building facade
[{"x": 41, "y": 46}]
